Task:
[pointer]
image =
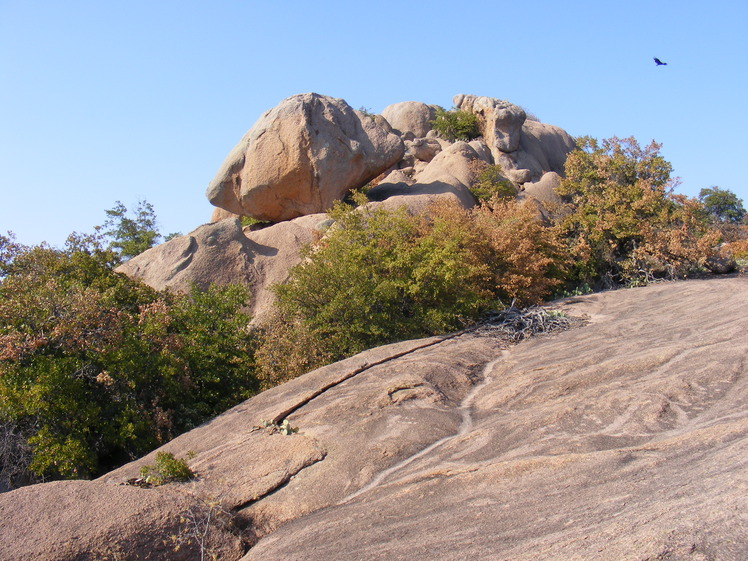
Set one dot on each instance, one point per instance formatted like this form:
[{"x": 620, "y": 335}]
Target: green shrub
[
  {"x": 622, "y": 223},
  {"x": 489, "y": 183},
  {"x": 378, "y": 276},
  {"x": 167, "y": 468},
  {"x": 97, "y": 369},
  {"x": 383, "y": 276},
  {"x": 456, "y": 125}
]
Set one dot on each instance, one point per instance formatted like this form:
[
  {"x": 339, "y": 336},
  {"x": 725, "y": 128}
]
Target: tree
[
  {"x": 722, "y": 204},
  {"x": 131, "y": 236},
  {"x": 623, "y": 225},
  {"x": 97, "y": 369}
]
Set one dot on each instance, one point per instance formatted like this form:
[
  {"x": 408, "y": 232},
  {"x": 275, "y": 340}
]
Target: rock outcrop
[
  {"x": 223, "y": 253},
  {"x": 500, "y": 121},
  {"x": 306, "y": 153},
  {"x": 447, "y": 175},
  {"x": 625, "y": 436},
  {"x": 300, "y": 157},
  {"x": 526, "y": 148},
  {"x": 543, "y": 193},
  {"x": 410, "y": 119}
]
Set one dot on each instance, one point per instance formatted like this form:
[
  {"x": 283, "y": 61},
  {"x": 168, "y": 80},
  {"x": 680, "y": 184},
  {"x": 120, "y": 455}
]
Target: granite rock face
[
  {"x": 223, "y": 253},
  {"x": 300, "y": 157},
  {"x": 517, "y": 144},
  {"x": 500, "y": 121},
  {"x": 624, "y": 436},
  {"x": 411, "y": 119}
]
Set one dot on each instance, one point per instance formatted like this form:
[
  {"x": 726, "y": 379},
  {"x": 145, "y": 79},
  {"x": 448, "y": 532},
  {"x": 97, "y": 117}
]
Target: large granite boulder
[
  {"x": 300, "y": 157},
  {"x": 410, "y": 118},
  {"x": 525, "y": 149},
  {"x": 500, "y": 121},
  {"x": 543, "y": 148},
  {"x": 216, "y": 253},
  {"x": 224, "y": 253},
  {"x": 543, "y": 194}
]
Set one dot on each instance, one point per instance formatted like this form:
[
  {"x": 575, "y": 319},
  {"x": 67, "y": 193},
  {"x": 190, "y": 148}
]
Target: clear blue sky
[{"x": 103, "y": 101}]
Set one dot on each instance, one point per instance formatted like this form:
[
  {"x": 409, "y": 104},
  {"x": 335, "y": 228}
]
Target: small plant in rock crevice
[
  {"x": 284, "y": 428},
  {"x": 204, "y": 526},
  {"x": 166, "y": 469}
]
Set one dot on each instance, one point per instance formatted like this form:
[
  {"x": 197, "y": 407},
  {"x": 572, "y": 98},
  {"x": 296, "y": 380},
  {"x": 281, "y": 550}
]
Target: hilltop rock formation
[
  {"x": 310, "y": 150},
  {"x": 300, "y": 157},
  {"x": 625, "y": 436}
]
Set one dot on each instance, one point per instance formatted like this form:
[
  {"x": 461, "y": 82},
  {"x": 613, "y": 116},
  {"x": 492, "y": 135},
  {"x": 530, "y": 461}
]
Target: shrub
[
  {"x": 456, "y": 125},
  {"x": 289, "y": 346},
  {"x": 97, "y": 369},
  {"x": 383, "y": 276},
  {"x": 622, "y": 223},
  {"x": 167, "y": 468},
  {"x": 526, "y": 259},
  {"x": 489, "y": 182}
]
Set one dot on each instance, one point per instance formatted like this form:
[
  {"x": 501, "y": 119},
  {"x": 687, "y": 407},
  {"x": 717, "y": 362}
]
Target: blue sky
[{"x": 103, "y": 101}]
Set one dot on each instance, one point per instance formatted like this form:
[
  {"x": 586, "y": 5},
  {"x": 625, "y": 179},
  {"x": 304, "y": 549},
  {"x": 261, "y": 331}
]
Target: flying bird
[{"x": 658, "y": 62}]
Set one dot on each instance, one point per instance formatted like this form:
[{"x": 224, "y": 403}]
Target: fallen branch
[{"x": 515, "y": 325}]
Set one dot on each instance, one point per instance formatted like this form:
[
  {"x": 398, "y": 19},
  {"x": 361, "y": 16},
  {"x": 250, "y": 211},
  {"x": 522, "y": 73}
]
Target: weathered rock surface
[
  {"x": 526, "y": 148},
  {"x": 95, "y": 521},
  {"x": 543, "y": 148},
  {"x": 500, "y": 121},
  {"x": 447, "y": 175},
  {"x": 213, "y": 253},
  {"x": 300, "y": 157},
  {"x": 626, "y": 438},
  {"x": 412, "y": 119},
  {"x": 543, "y": 193},
  {"x": 223, "y": 253}
]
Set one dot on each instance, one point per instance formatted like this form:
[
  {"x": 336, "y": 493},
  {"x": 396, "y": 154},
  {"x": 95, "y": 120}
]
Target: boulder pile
[{"x": 311, "y": 150}]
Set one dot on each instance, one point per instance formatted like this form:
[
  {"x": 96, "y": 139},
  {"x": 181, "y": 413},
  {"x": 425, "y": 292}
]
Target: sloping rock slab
[
  {"x": 92, "y": 521},
  {"x": 624, "y": 439},
  {"x": 354, "y": 419}
]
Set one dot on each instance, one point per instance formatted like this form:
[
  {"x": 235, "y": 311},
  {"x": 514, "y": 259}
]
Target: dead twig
[{"x": 515, "y": 325}]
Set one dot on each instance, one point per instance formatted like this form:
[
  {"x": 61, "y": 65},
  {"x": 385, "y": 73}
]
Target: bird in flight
[{"x": 658, "y": 62}]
